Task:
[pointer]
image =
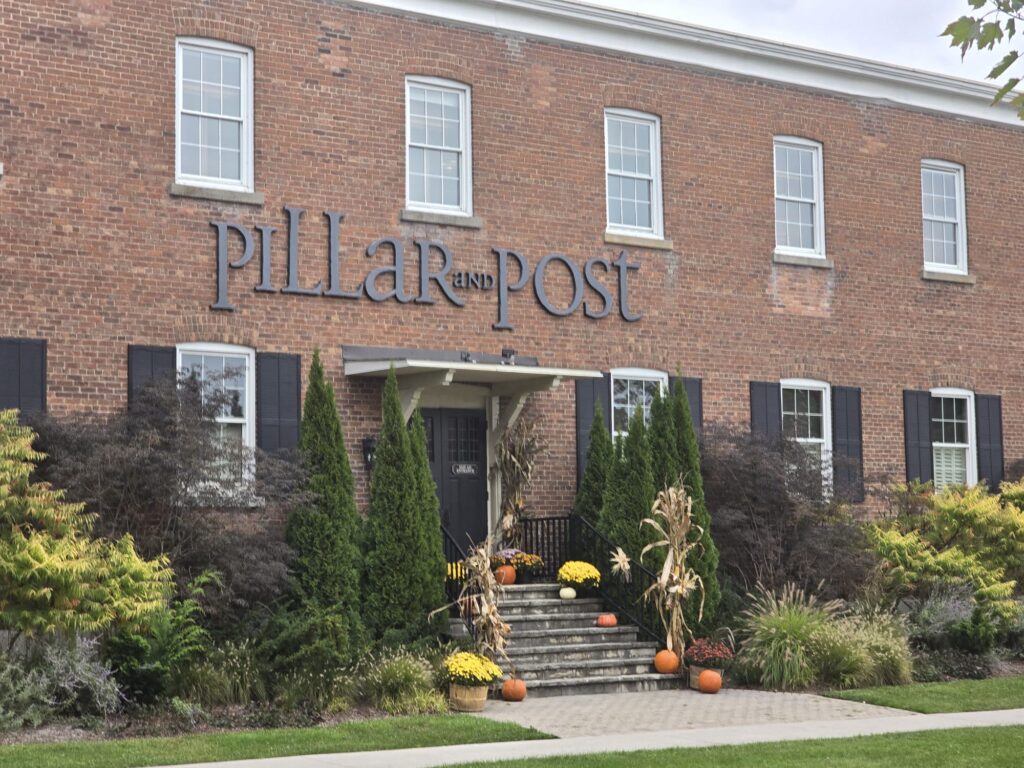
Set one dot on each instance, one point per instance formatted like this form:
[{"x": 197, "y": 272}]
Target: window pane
[
  {"x": 191, "y": 64},
  {"x": 189, "y": 129},
  {"x": 789, "y": 425},
  {"x": 230, "y": 164},
  {"x": 232, "y": 71},
  {"x": 788, "y": 399},
  {"x": 190, "y": 162},
  {"x": 191, "y": 96},
  {"x": 232, "y": 102},
  {"x": 211, "y": 68}
]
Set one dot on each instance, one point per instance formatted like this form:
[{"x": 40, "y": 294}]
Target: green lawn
[
  {"x": 965, "y": 748},
  {"x": 958, "y": 696},
  {"x": 390, "y": 733}
]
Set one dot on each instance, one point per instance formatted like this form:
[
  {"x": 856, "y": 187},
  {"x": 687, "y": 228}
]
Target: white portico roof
[{"x": 467, "y": 372}]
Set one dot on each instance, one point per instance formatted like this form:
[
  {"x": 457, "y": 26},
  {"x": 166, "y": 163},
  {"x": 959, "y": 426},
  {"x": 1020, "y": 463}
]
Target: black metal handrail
[
  {"x": 549, "y": 538},
  {"x": 588, "y": 543},
  {"x": 455, "y": 557}
]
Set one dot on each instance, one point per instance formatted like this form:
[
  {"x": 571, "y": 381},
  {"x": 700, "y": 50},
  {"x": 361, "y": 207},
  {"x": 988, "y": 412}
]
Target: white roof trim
[
  {"x": 468, "y": 373},
  {"x": 652, "y": 37}
]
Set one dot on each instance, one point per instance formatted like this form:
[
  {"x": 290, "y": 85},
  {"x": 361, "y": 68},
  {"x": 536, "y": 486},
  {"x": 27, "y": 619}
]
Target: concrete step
[
  {"x": 582, "y": 620},
  {"x": 606, "y": 684},
  {"x": 557, "y": 670},
  {"x": 520, "y": 607},
  {"x": 582, "y": 652},
  {"x": 523, "y": 638},
  {"x": 540, "y": 591}
]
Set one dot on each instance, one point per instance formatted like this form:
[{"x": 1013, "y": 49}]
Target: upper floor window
[
  {"x": 439, "y": 168},
  {"x": 952, "y": 434},
  {"x": 945, "y": 217},
  {"x": 807, "y": 419},
  {"x": 634, "y": 388},
  {"x": 633, "y": 170},
  {"x": 225, "y": 375},
  {"x": 799, "y": 197},
  {"x": 214, "y": 126}
]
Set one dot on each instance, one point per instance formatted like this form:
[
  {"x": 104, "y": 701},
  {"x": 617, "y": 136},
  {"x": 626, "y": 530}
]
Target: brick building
[{"x": 520, "y": 204}]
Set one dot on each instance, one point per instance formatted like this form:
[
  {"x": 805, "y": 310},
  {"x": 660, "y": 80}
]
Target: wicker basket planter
[{"x": 467, "y": 698}]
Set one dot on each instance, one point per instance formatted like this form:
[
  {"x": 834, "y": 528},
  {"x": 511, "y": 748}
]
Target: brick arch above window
[
  {"x": 198, "y": 21},
  {"x": 443, "y": 65},
  {"x": 639, "y": 99},
  {"x": 216, "y": 328}
]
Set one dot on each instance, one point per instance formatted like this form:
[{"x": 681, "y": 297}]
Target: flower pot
[
  {"x": 567, "y": 593},
  {"x": 505, "y": 575},
  {"x": 467, "y": 698},
  {"x": 695, "y": 671},
  {"x": 524, "y": 577}
]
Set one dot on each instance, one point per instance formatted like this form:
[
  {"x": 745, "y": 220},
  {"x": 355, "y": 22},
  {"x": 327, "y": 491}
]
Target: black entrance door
[{"x": 457, "y": 451}]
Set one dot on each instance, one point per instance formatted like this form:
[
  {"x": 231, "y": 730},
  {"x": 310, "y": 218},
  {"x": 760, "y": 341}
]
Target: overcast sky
[{"x": 897, "y": 31}]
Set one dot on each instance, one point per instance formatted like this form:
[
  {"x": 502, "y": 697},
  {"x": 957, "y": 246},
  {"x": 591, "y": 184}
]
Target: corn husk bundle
[{"x": 671, "y": 518}]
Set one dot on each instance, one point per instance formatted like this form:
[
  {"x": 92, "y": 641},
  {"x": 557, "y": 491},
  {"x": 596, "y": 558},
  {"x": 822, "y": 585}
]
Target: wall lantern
[{"x": 369, "y": 449}]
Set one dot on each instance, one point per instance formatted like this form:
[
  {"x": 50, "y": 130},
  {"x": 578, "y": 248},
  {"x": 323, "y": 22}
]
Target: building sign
[
  {"x": 512, "y": 273},
  {"x": 464, "y": 470}
]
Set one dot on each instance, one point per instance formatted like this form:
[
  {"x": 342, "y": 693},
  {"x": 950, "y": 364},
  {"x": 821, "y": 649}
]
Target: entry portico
[{"x": 468, "y": 400}]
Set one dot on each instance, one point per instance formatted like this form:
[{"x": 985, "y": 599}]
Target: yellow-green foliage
[
  {"x": 961, "y": 535},
  {"x": 53, "y": 575}
]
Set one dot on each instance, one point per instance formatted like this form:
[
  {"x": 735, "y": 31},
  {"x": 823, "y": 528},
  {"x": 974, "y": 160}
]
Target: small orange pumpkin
[
  {"x": 505, "y": 575},
  {"x": 513, "y": 689},
  {"x": 666, "y": 662},
  {"x": 709, "y": 681},
  {"x": 607, "y": 620}
]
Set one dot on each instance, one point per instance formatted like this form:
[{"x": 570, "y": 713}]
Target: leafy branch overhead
[{"x": 997, "y": 24}]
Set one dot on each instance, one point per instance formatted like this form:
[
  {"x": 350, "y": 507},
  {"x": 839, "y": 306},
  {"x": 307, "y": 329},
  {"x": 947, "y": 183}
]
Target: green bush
[
  {"x": 229, "y": 675},
  {"x": 326, "y": 532},
  {"x": 428, "y": 561},
  {"x": 977, "y": 635},
  {"x": 24, "y": 696},
  {"x": 393, "y": 595},
  {"x": 399, "y": 683},
  {"x": 705, "y": 561},
  {"x": 308, "y": 643}
]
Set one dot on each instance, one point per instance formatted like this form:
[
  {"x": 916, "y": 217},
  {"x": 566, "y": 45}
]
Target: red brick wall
[{"x": 95, "y": 254}]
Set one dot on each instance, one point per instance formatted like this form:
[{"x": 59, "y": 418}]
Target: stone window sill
[
  {"x": 637, "y": 241},
  {"x": 219, "y": 195},
  {"x": 948, "y": 277},
  {"x": 444, "y": 219},
  {"x": 816, "y": 262}
]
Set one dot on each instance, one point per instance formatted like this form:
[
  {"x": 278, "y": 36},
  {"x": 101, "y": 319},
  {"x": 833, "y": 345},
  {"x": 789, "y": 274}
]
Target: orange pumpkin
[
  {"x": 607, "y": 620},
  {"x": 513, "y": 689},
  {"x": 666, "y": 662},
  {"x": 710, "y": 681},
  {"x": 505, "y": 575}
]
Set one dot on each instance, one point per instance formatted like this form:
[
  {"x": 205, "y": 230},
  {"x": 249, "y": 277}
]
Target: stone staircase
[{"x": 558, "y": 649}]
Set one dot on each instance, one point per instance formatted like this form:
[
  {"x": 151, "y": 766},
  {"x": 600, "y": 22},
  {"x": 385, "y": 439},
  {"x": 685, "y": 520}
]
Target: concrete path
[
  {"x": 430, "y": 757},
  {"x": 600, "y": 714}
]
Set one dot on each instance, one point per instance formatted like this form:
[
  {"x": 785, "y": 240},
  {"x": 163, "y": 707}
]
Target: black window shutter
[
  {"x": 590, "y": 392},
  {"x": 847, "y": 444},
  {"x": 23, "y": 375},
  {"x": 149, "y": 365},
  {"x": 278, "y": 401},
  {"x": 695, "y": 397},
  {"x": 988, "y": 416},
  {"x": 917, "y": 435},
  {"x": 766, "y": 408}
]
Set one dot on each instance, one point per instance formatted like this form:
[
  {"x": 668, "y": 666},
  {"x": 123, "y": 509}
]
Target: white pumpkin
[{"x": 567, "y": 593}]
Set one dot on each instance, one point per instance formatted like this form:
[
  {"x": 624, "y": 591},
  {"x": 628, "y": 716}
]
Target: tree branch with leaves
[{"x": 996, "y": 22}]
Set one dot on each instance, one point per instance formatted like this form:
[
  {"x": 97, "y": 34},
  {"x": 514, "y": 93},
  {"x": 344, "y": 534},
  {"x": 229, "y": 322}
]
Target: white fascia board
[
  {"x": 652, "y": 37},
  {"x": 495, "y": 372}
]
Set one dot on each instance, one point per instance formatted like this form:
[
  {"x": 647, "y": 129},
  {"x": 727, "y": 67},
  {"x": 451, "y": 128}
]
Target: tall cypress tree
[
  {"x": 664, "y": 453},
  {"x": 706, "y": 560},
  {"x": 325, "y": 532},
  {"x": 629, "y": 493},
  {"x": 600, "y": 455},
  {"x": 430, "y": 552},
  {"x": 392, "y": 600}
]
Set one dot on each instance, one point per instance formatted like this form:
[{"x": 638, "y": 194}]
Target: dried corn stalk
[{"x": 671, "y": 518}]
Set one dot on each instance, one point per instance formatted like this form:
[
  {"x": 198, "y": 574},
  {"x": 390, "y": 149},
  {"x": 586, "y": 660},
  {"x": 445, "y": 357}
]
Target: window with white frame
[
  {"x": 634, "y": 388},
  {"x": 944, "y": 216},
  {"x": 952, "y": 434},
  {"x": 439, "y": 168},
  {"x": 807, "y": 419},
  {"x": 633, "y": 172},
  {"x": 214, "y": 115},
  {"x": 225, "y": 376},
  {"x": 799, "y": 197}
]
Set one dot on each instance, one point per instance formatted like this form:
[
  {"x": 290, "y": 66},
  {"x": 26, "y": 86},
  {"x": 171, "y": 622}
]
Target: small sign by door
[{"x": 464, "y": 470}]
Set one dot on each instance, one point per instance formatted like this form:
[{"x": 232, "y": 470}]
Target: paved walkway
[
  {"x": 599, "y": 714},
  {"x": 430, "y": 757}
]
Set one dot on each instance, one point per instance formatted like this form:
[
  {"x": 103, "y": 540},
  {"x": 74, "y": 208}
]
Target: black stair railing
[
  {"x": 549, "y": 538},
  {"x": 455, "y": 558},
  {"x": 626, "y": 598}
]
